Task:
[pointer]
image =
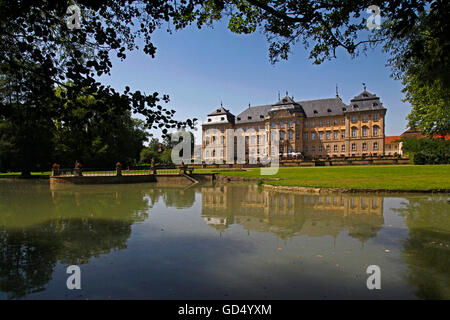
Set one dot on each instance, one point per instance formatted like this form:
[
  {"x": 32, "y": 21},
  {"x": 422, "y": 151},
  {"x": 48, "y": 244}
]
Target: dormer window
[
  {"x": 315, "y": 111},
  {"x": 218, "y": 110},
  {"x": 375, "y": 104},
  {"x": 285, "y": 100},
  {"x": 329, "y": 110},
  {"x": 344, "y": 109},
  {"x": 261, "y": 116},
  {"x": 239, "y": 119},
  {"x": 209, "y": 119},
  {"x": 222, "y": 118},
  {"x": 365, "y": 95},
  {"x": 355, "y": 106},
  {"x": 249, "y": 118}
]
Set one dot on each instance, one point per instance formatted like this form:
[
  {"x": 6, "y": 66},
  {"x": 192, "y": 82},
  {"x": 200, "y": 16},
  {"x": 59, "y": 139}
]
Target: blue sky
[{"x": 199, "y": 69}]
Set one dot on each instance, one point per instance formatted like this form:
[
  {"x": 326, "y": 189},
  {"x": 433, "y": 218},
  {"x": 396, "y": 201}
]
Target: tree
[
  {"x": 108, "y": 137},
  {"x": 39, "y": 52},
  {"x": 151, "y": 152}
]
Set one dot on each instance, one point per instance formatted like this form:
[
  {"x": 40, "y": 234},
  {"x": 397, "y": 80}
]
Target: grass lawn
[
  {"x": 408, "y": 177},
  {"x": 46, "y": 173}
]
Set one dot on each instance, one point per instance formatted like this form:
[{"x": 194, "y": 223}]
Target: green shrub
[{"x": 427, "y": 151}]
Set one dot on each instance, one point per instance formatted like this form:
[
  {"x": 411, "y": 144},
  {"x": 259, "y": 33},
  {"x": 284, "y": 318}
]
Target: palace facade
[{"x": 313, "y": 128}]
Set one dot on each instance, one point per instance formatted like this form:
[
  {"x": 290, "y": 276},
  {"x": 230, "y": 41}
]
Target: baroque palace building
[{"x": 313, "y": 128}]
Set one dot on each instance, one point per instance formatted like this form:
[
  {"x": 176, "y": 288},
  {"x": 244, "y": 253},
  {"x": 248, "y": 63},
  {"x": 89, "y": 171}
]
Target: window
[
  {"x": 320, "y": 123},
  {"x": 298, "y": 122},
  {"x": 364, "y": 131},
  {"x": 290, "y": 123},
  {"x": 281, "y": 124},
  {"x": 297, "y": 135},
  {"x": 313, "y": 149},
  {"x": 320, "y": 148},
  {"x": 313, "y": 123},
  {"x": 375, "y": 117},
  {"x": 328, "y": 135},
  {"x": 364, "y": 146},
  {"x": 305, "y": 124},
  {"x": 209, "y": 119},
  {"x": 222, "y": 118},
  {"x": 343, "y": 133},
  {"x": 353, "y": 146},
  {"x": 364, "y": 118},
  {"x": 320, "y": 135},
  {"x": 375, "y": 145},
  {"x": 313, "y": 136},
  {"x": 335, "y": 148},
  {"x": 282, "y": 135},
  {"x": 343, "y": 147},
  {"x": 328, "y": 123},
  {"x": 291, "y": 135},
  {"x": 305, "y": 136},
  {"x": 335, "y": 122},
  {"x": 353, "y": 132},
  {"x": 336, "y": 134},
  {"x": 375, "y": 131},
  {"x": 328, "y": 148},
  {"x": 343, "y": 121},
  {"x": 273, "y": 125},
  {"x": 354, "y": 119},
  {"x": 222, "y": 130},
  {"x": 305, "y": 149}
]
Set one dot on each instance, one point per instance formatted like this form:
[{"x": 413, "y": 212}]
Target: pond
[{"x": 219, "y": 241}]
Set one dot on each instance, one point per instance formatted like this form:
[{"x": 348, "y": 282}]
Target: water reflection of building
[{"x": 288, "y": 214}]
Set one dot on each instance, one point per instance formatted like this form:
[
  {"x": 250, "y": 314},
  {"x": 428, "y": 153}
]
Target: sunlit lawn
[{"x": 406, "y": 177}]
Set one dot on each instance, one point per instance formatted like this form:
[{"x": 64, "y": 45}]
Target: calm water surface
[{"x": 148, "y": 241}]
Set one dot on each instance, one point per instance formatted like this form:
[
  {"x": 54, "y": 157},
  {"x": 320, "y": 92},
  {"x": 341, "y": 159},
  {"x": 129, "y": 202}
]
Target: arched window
[
  {"x": 375, "y": 131},
  {"x": 354, "y": 132},
  {"x": 364, "y": 131}
]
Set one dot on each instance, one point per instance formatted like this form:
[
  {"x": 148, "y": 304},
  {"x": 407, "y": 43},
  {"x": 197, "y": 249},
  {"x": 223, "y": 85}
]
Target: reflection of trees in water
[
  {"x": 69, "y": 227},
  {"x": 28, "y": 255},
  {"x": 427, "y": 249},
  {"x": 288, "y": 214},
  {"x": 172, "y": 197}
]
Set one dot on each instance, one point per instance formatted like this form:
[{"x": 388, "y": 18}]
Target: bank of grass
[
  {"x": 408, "y": 177},
  {"x": 8, "y": 174}
]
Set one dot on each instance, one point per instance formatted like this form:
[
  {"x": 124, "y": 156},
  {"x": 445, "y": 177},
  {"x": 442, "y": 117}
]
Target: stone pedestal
[{"x": 77, "y": 172}]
